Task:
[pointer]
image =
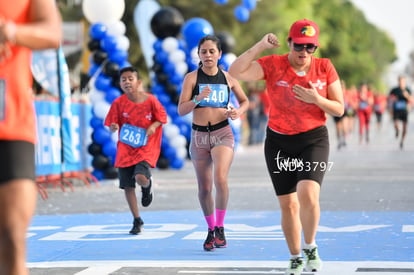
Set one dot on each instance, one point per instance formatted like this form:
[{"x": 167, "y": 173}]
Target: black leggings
[{"x": 291, "y": 158}]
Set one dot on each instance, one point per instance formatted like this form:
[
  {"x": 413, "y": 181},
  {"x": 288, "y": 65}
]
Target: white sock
[
  {"x": 295, "y": 256},
  {"x": 309, "y": 246}
]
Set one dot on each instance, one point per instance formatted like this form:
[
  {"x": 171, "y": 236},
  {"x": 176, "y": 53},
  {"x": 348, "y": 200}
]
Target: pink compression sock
[
  {"x": 220, "y": 214},
  {"x": 210, "y": 221}
]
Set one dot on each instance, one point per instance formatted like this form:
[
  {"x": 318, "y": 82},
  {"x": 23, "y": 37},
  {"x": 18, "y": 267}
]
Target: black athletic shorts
[
  {"x": 291, "y": 158},
  {"x": 400, "y": 115},
  {"x": 17, "y": 160},
  {"x": 127, "y": 174}
]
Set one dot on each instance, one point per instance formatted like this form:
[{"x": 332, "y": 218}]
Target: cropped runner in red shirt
[
  {"x": 301, "y": 88},
  {"x": 24, "y": 26},
  {"x": 138, "y": 116}
]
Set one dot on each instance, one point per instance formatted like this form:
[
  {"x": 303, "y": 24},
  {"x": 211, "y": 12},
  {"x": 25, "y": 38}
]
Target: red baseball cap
[{"x": 304, "y": 32}]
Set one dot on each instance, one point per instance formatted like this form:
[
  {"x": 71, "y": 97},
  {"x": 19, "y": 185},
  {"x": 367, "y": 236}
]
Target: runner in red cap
[{"x": 302, "y": 89}]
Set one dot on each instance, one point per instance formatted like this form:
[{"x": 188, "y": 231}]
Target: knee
[
  {"x": 221, "y": 185},
  {"x": 204, "y": 192},
  {"x": 289, "y": 207},
  {"x": 141, "y": 179}
]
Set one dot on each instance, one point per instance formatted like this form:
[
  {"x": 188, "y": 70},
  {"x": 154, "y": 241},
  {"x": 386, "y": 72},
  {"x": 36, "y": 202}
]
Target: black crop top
[{"x": 220, "y": 96}]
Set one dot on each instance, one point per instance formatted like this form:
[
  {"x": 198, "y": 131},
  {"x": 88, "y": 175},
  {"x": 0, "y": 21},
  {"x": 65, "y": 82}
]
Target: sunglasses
[{"x": 310, "y": 48}]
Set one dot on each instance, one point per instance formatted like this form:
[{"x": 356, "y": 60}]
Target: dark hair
[
  {"x": 210, "y": 37},
  {"x": 129, "y": 69}
]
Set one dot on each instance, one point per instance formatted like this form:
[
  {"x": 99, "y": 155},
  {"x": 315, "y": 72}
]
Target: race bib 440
[
  {"x": 219, "y": 97},
  {"x": 133, "y": 135}
]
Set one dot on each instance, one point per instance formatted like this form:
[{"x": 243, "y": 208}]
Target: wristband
[
  {"x": 195, "y": 100},
  {"x": 10, "y": 32}
]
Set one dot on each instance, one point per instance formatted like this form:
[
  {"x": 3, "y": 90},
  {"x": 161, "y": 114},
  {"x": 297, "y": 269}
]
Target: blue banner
[{"x": 49, "y": 138}]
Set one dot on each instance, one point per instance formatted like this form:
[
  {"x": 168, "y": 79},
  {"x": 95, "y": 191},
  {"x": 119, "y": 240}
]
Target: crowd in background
[{"x": 365, "y": 108}]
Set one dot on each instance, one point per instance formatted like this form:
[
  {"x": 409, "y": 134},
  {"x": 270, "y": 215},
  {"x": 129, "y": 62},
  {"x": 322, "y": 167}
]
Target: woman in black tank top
[{"x": 206, "y": 93}]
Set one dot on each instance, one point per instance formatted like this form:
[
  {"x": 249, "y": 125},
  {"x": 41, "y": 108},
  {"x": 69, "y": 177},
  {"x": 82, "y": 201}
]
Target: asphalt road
[
  {"x": 364, "y": 178},
  {"x": 378, "y": 176}
]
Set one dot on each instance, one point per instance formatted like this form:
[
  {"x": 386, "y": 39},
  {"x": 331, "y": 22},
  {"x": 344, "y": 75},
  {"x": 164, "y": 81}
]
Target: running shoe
[
  {"x": 313, "y": 262},
  {"x": 219, "y": 238},
  {"x": 137, "y": 226},
  {"x": 295, "y": 266},
  {"x": 209, "y": 242},
  {"x": 147, "y": 194}
]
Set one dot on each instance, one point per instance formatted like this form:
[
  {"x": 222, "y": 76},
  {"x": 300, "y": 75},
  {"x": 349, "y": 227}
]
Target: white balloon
[
  {"x": 116, "y": 28},
  {"x": 101, "y": 109},
  {"x": 115, "y": 137},
  {"x": 96, "y": 96},
  {"x": 169, "y": 44},
  {"x": 181, "y": 153},
  {"x": 181, "y": 68},
  {"x": 178, "y": 141},
  {"x": 177, "y": 56},
  {"x": 229, "y": 58},
  {"x": 103, "y": 11},
  {"x": 194, "y": 53},
  {"x": 122, "y": 43},
  {"x": 188, "y": 118},
  {"x": 171, "y": 130}
]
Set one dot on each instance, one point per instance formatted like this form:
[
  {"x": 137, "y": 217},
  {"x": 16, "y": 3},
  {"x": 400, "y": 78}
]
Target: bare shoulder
[{"x": 230, "y": 79}]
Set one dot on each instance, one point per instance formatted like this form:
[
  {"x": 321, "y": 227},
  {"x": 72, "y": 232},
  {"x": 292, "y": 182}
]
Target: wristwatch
[{"x": 195, "y": 100}]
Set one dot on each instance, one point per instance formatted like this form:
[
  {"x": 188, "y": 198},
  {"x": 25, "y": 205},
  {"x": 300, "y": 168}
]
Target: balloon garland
[
  {"x": 109, "y": 52},
  {"x": 173, "y": 58}
]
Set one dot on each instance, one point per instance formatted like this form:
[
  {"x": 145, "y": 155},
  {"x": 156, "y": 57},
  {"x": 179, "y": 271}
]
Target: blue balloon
[
  {"x": 109, "y": 149},
  {"x": 157, "y": 45},
  {"x": 170, "y": 153},
  {"x": 164, "y": 99},
  {"x": 98, "y": 174},
  {"x": 177, "y": 163},
  {"x": 169, "y": 68},
  {"x": 93, "y": 68},
  {"x": 182, "y": 46},
  {"x": 161, "y": 57},
  {"x": 194, "y": 29},
  {"x": 111, "y": 94},
  {"x": 164, "y": 142},
  {"x": 249, "y": 4},
  {"x": 157, "y": 89},
  {"x": 118, "y": 56},
  {"x": 125, "y": 64},
  {"x": 172, "y": 110},
  {"x": 108, "y": 43},
  {"x": 241, "y": 13},
  {"x": 103, "y": 82},
  {"x": 185, "y": 129},
  {"x": 101, "y": 135},
  {"x": 176, "y": 79},
  {"x": 97, "y": 31},
  {"x": 96, "y": 122}
]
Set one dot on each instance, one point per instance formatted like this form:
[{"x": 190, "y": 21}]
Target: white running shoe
[
  {"x": 295, "y": 266},
  {"x": 313, "y": 261}
]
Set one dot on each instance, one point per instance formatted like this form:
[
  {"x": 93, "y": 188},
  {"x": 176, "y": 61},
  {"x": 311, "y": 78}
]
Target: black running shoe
[
  {"x": 209, "y": 242},
  {"x": 147, "y": 195},
  {"x": 137, "y": 226},
  {"x": 219, "y": 238}
]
